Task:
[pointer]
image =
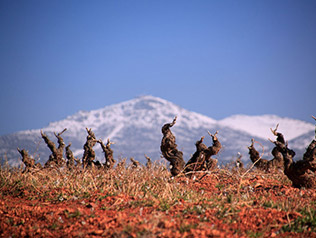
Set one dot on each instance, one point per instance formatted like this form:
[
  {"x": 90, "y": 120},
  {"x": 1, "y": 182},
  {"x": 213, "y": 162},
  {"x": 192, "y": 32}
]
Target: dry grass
[
  {"x": 154, "y": 184},
  {"x": 222, "y": 198}
]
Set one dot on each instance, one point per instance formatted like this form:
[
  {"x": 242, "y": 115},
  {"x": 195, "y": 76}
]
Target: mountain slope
[
  {"x": 135, "y": 127},
  {"x": 260, "y": 125}
]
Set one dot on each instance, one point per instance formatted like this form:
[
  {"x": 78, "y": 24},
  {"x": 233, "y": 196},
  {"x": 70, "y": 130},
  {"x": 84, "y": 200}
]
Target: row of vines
[{"x": 300, "y": 172}]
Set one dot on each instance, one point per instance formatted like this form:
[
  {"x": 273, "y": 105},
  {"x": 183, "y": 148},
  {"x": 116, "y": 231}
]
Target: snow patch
[
  {"x": 116, "y": 130},
  {"x": 260, "y": 125}
]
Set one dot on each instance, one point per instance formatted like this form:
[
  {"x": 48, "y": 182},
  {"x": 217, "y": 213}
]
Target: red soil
[{"x": 25, "y": 215}]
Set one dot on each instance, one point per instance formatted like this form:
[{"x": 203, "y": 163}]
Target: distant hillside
[{"x": 135, "y": 127}]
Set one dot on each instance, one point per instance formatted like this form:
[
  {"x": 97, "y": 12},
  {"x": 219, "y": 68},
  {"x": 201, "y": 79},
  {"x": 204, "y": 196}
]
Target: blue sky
[{"x": 217, "y": 58}]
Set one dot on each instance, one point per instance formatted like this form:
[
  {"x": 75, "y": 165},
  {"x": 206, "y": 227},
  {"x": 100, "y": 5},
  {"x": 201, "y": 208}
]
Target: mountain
[
  {"x": 135, "y": 127},
  {"x": 260, "y": 125}
]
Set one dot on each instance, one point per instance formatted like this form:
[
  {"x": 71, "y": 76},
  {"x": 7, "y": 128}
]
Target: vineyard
[{"x": 80, "y": 197}]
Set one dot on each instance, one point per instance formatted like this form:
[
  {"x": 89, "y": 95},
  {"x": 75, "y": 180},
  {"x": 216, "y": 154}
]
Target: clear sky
[{"x": 213, "y": 57}]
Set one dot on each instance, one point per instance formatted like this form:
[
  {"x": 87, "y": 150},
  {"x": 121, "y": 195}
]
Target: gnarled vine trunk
[
  {"x": 108, "y": 154},
  {"x": 89, "y": 154},
  {"x": 135, "y": 163},
  {"x": 212, "y": 150},
  {"x": 148, "y": 163},
  {"x": 239, "y": 165},
  {"x": 70, "y": 158},
  {"x": 169, "y": 149},
  {"x": 28, "y": 161},
  {"x": 56, "y": 158},
  {"x": 201, "y": 159},
  {"x": 277, "y": 163},
  {"x": 302, "y": 172}
]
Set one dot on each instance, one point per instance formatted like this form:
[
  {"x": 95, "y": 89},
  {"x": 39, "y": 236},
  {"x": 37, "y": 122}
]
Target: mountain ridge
[
  {"x": 135, "y": 126},
  {"x": 291, "y": 128}
]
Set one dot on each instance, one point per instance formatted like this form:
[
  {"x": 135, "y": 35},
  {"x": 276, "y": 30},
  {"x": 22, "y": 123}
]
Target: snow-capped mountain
[
  {"x": 135, "y": 127},
  {"x": 260, "y": 125}
]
